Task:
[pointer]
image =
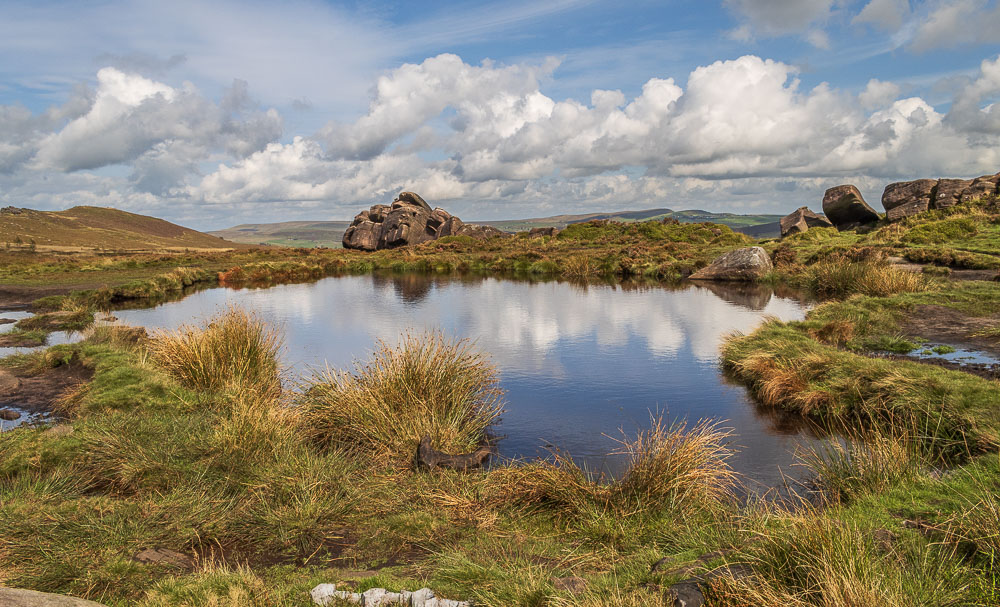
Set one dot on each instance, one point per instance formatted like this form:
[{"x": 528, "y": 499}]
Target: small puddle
[
  {"x": 24, "y": 417},
  {"x": 975, "y": 362},
  {"x": 954, "y": 354}
]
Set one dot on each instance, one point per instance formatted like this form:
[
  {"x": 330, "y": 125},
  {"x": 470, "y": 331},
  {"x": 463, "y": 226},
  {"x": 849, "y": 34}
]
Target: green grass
[{"x": 210, "y": 464}]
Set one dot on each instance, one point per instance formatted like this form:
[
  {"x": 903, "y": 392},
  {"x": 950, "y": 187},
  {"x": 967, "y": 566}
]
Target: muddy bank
[
  {"x": 38, "y": 393},
  {"x": 949, "y": 326},
  {"x": 984, "y": 370}
]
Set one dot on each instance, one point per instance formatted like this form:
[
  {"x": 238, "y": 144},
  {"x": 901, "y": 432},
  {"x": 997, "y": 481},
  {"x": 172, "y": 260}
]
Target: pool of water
[{"x": 580, "y": 364}]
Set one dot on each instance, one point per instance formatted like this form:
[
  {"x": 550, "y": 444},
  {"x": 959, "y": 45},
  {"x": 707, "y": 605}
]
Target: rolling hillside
[
  {"x": 82, "y": 228},
  {"x": 330, "y": 233},
  {"x": 288, "y": 233}
]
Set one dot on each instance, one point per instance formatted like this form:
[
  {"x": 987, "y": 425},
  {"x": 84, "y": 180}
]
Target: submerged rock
[
  {"x": 748, "y": 264},
  {"x": 801, "y": 220},
  {"x": 408, "y": 221},
  {"x": 9, "y": 415},
  {"x": 846, "y": 208}
]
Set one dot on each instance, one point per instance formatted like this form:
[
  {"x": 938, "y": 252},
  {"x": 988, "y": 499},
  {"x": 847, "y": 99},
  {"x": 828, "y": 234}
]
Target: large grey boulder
[
  {"x": 408, "y": 221},
  {"x": 980, "y": 187},
  {"x": 16, "y": 597},
  {"x": 846, "y": 208},
  {"x": 949, "y": 192},
  {"x": 748, "y": 264},
  {"x": 801, "y": 220},
  {"x": 906, "y": 198}
]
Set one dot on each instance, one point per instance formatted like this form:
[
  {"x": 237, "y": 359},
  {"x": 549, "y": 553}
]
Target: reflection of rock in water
[
  {"x": 749, "y": 295},
  {"x": 409, "y": 287}
]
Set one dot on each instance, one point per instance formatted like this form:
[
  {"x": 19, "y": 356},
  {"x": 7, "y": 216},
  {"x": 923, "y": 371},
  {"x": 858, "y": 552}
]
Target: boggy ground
[{"x": 186, "y": 443}]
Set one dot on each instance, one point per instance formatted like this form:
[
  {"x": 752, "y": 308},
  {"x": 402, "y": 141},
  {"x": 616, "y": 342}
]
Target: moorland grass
[
  {"x": 235, "y": 351},
  {"x": 227, "y": 476},
  {"x": 428, "y": 385}
]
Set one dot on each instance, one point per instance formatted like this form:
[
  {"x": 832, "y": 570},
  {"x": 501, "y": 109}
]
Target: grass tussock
[
  {"x": 670, "y": 468},
  {"x": 843, "y": 278},
  {"x": 237, "y": 350},
  {"x": 868, "y": 463},
  {"x": 813, "y": 561},
  {"x": 428, "y": 385}
]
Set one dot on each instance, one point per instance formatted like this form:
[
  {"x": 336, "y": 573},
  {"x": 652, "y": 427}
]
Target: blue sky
[{"x": 217, "y": 113}]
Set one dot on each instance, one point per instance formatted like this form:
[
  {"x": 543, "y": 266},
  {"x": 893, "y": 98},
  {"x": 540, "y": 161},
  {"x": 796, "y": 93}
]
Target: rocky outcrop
[
  {"x": 949, "y": 192},
  {"x": 747, "y": 264},
  {"x": 906, "y": 198},
  {"x": 538, "y": 232},
  {"x": 408, "y": 221},
  {"x": 801, "y": 220},
  {"x": 16, "y": 597},
  {"x": 846, "y": 208}
]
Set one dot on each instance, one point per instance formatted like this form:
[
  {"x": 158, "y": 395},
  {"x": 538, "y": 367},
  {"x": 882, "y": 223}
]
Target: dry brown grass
[
  {"x": 670, "y": 468},
  {"x": 427, "y": 386},
  {"x": 236, "y": 352}
]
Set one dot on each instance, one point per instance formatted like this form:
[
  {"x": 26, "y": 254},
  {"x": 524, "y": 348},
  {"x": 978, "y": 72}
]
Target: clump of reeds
[
  {"x": 428, "y": 385},
  {"x": 235, "y": 351},
  {"x": 840, "y": 278},
  {"x": 669, "y": 469},
  {"x": 866, "y": 463},
  {"x": 819, "y": 561}
]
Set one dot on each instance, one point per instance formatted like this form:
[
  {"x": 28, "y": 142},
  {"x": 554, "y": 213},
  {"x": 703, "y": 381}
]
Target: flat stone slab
[{"x": 17, "y": 597}]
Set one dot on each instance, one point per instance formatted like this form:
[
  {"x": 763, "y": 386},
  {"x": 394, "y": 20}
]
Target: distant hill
[
  {"x": 99, "y": 228},
  {"x": 330, "y": 233},
  {"x": 288, "y": 233}
]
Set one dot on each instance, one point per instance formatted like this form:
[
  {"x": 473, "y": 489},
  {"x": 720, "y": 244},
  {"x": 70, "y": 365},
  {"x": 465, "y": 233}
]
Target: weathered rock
[
  {"x": 572, "y": 584},
  {"x": 980, "y": 187},
  {"x": 480, "y": 232},
  {"x": 164, "y": 556},
  {"x": 846, "y": 208},
  {"x": 16, "y": 597},
  {"x": 326, "y": 594},
  {"x": 686, "y": 594},
  {"x": 408, "y": 221},
  {"x": 801, "y": 220},
  {"x": 749, "y": 264},
  {"x": 9, "y": 415},
  {"x": 7, "y": 321},
  {"x": 9, "y": 384},
  {"x": 538, "y": 232},
  {"x": 430, "y": 458},
  {"x": 949, "y": 192},
  {"x": 906, "y": 198},
  {"x": 413, "y": 198}
]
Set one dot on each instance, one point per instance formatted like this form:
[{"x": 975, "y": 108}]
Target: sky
[{"x": 216, "y": 113}]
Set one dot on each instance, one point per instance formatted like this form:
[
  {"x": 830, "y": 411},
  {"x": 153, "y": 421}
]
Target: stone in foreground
[
  {"x": 801, "y": 220},
  {"x": 16, "y": 597},
  {"x": 327, "y": 594},
  {"x": 748, "y": 264},
  {"x": 846, "y": 208}
]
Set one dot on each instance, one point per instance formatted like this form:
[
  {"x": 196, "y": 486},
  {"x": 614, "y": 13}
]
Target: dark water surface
[{"x": 578, "y": 363}]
